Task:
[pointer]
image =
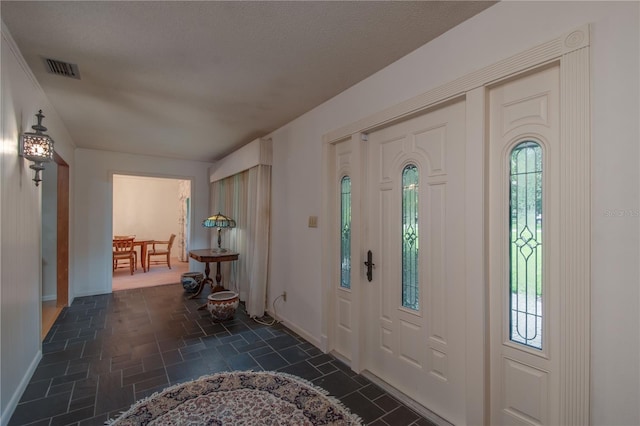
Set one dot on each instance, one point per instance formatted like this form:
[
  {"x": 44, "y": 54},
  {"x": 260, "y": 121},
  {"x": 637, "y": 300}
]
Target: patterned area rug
[{"x": 240, "y": 398}]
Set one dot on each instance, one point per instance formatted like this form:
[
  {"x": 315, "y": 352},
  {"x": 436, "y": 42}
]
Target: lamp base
[{"x": 219, "y": 250}]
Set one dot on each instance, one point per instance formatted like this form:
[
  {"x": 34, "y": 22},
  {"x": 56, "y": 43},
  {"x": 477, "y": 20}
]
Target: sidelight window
[
  {"x": 345, "y": 232},
  {"x": 410, "y": 284},
  {"x": 525, "y": 244}
]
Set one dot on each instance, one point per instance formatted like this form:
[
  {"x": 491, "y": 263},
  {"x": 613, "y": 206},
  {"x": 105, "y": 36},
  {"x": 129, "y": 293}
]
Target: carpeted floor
[
  {"x": 156, "y": 275},
  {"x": 106, "y": 352}
]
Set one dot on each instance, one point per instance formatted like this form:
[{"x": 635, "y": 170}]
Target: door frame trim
[
  {"x": 62, "y": 233},
  {"x": 571, "y": 49}
]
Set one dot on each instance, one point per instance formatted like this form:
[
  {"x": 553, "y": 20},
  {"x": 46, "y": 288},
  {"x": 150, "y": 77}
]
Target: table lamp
[{"x": 219, "y": 221}]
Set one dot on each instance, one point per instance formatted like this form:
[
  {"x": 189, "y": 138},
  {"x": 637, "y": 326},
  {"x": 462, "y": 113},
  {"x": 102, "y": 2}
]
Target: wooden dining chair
[
  {"x": 123, "y": 250},
  {"x": 135, "y": 253},
  {"x": 164, "y": 252}
]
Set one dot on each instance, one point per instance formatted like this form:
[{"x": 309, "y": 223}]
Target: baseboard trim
[
  {"x": 17, "y": 394},
  {"x": 415, "y": 406},
  {"x": 300, "y": 331}
]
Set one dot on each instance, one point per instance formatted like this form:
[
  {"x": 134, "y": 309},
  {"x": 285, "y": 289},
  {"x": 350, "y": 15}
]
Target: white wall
[
  {"x": 20, "y": 229},
  {"x": 497, "y": 33},
  {"x": 148, "y": 208},
  {"x": 94, "y": 210}
]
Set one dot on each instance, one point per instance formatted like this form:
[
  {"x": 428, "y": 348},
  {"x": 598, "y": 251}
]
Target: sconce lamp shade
[
  {"x": 219, "y": 221},
  {"x": 37, "y": 147}
]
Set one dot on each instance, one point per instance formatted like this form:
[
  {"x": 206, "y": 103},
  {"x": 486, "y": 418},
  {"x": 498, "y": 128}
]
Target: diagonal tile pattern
[{"x": 105, "y": 352}]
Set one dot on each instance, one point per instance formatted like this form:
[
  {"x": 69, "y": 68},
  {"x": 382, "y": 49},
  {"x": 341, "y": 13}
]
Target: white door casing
[
  {"x": 571, "y": 52},
  {"x": 420, "y": 352},
  {"x": 524, "y": 379}
]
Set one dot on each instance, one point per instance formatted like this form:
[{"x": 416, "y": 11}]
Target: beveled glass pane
[
  {"x": 410, "y": 284},
  {"x": 345, "y": 232},
  {"x": 525, "y": 245}
]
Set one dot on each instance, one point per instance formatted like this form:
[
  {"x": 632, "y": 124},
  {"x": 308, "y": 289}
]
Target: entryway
[
  {"x": 460, "y": 251},
  {"x": 55, "y": 241}
]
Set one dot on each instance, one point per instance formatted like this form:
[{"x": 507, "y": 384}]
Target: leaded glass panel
[
  {"x": 410, "y": 284},
  {"x": 525, "y": 246},
  {"x": 345, "y": 232}
]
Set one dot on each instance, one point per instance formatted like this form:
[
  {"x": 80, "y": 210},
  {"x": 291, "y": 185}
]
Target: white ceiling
[{"x": 197, "y": 80}]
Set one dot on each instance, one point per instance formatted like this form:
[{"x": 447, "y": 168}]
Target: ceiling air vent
[{"x": 64, "y": 69}]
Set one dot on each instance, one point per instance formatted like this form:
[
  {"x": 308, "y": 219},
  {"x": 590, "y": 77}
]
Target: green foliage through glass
[
  {"x": 410, "y": 283},
  {"x": 525, "y": 245},
  {"x": 345, "y": 232}
]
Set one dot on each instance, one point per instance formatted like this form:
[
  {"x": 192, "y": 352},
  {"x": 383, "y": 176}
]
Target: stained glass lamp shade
[{"x": 219, "y": 221}]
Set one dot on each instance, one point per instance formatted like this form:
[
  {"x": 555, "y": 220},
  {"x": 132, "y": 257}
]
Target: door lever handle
[{"x": 369, "y": 264}]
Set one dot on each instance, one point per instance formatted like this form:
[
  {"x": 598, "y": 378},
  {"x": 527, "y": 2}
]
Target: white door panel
[
  {"x": 524, "y": 250},
  {"x": 342, "y": 318},
  {"x": 420, "y": 349}
]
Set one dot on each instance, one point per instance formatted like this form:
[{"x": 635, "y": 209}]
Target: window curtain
[
  {"x": 246, "y": 198},
  {"x": 182, "y": 241}
]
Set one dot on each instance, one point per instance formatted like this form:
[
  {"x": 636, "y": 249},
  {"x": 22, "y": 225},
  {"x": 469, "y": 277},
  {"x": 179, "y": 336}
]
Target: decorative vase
[
  {"x": 223, "y": 304},
  {"x": 191, "y": 281}
]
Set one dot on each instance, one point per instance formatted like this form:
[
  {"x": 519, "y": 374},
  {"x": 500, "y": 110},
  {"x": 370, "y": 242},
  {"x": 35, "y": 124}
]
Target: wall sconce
[
  {"x": 36, "y": 147},
  {"x": 219, "y": 221}
]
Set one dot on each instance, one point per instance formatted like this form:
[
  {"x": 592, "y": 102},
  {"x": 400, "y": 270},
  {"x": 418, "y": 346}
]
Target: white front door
[
  {"x": 524, "y": 254},
  {"x": 414, "y": 313}
]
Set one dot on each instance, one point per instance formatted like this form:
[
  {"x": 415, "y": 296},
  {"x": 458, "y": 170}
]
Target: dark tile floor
[{"x": 105, "y": 352}]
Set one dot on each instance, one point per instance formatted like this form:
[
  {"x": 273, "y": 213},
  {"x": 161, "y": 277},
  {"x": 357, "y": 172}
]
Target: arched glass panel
[
  {"x": 345, "y": 232},
  {"x": 410, "y": 284},
  {"x": 525, "y": 244}
]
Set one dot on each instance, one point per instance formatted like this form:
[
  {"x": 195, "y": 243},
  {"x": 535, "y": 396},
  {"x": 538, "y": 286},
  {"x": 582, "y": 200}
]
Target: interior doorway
[
  {"x": 152, "y": 208},
  {"x": 55, "y": 242}
]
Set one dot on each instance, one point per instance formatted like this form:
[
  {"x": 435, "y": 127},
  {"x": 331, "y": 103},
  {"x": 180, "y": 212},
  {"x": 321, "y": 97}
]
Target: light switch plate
[{"x": 313, "y": 221}]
